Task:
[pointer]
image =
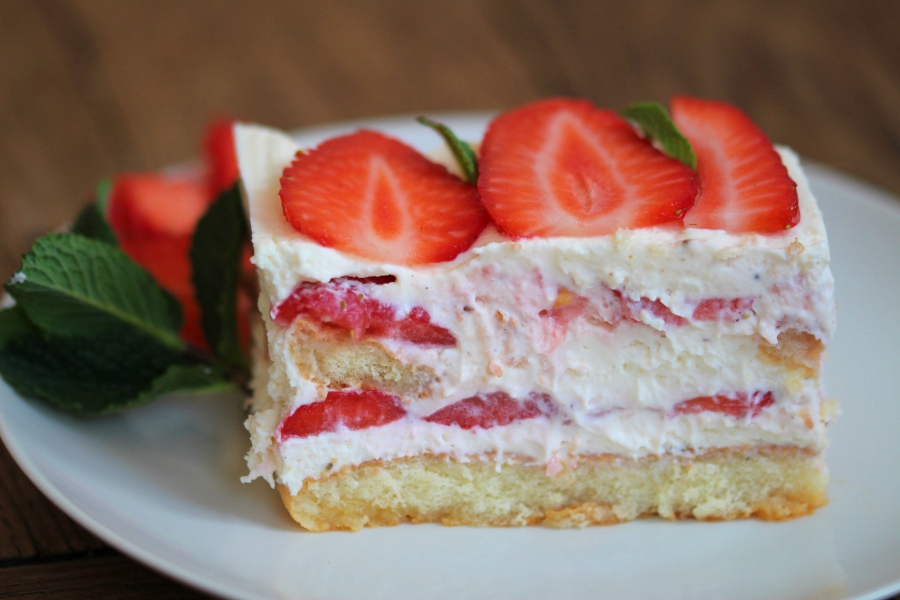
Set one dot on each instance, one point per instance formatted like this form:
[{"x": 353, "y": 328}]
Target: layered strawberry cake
[{"x": 588, "y": 332}]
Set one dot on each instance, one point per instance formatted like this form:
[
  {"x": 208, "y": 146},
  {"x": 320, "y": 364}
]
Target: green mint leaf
[
  {"x": 187, "y": 378},
  {"x": 115, "y": 368},
  {"x": 14, "y": 324},
  {"x": 91, "y": 224},
  {"x": 70, "y": 285},
  {"x": 654, "y": 121},
  {"x": 91, "y": 221},
  {"x": 215, "y": 259},
  {"x": 462, "y": 151},
  {"x": 102, "y": 195}
]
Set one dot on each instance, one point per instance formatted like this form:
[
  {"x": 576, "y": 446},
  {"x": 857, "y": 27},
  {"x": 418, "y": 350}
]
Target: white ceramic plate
[{"x": 161, "y": 484}]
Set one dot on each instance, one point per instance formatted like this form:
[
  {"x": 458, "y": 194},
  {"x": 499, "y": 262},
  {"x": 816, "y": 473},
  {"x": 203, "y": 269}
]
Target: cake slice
[{"x": 594, "y": 334}]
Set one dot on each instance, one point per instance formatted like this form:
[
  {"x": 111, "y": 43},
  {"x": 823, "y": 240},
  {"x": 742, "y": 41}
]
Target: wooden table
[{"x": 89, "y": 88}]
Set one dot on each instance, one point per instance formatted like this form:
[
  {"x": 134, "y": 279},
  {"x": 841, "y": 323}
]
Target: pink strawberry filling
[
  {"x": 343, "y": 303},
  {"x": 362, "y": 409}
]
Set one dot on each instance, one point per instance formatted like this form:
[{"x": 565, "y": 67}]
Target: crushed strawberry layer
[
  {"x": 350, "y": 409},
  {"x": 490, "y": 410},
  {"x": 619, "y": 307},
  {"x": 343, "y": 303},
  {"x": 738, "y": 404}
]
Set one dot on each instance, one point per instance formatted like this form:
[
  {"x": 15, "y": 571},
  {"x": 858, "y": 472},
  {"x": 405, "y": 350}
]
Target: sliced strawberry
[
  {"x": 221, "y": 159},
  {"x": 375, "y": 197},
  {"x": 737, "y": 405},
  {"x": 154, "y": 216},
  {"x": 343, "y": 303},
  {"x": 490, "y": 410},
  {"x": 153, "y": 204},
  {"x": 744, "y": 186},
  {"x": 351, "y": 409},
  {"x": 563, "y": 167},
  {"x": 722, "y": 309}
]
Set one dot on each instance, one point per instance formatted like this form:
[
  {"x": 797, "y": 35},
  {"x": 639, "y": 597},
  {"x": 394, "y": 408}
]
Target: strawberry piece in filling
[
  {"x": 723, "y": 309},
  {"x": 738, "y": 405},
  {"x": 350, "y": 409},
  {"x": 342, "y": 303},
  {"x": 490, "y": 410},
  {"x": 656, "y": 308}
]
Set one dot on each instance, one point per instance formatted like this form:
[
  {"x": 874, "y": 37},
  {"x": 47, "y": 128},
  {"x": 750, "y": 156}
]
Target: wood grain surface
[{"x": 89, "y": 88}]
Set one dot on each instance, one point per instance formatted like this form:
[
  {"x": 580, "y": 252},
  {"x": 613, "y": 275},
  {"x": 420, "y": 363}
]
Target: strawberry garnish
[
  {"x": 564, "y": 167},
  {"x": 350, "y": 409},
  {"x": 737, "y": 405},
  {"x": 221, "y": 159},
  {"x": 744, "y": 186},
  {"x": 375, "y": 197},
  {"x": 344, "y": 303},
  {"x": 153, "y": 204},
  {"x": 490, "y": 410},
  {"x": 154, "y": 217}
]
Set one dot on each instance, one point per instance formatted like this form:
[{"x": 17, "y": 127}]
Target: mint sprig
[
  {"x": 92, "y": 332},
  {"x": 462, "y": 152},
  {"x": 216, "y": 253},
  {"x": 655, "y": 123}
]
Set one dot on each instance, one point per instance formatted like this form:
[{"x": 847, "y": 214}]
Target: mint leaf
[
  {"x": 14, "y": 324},
  {"x": 216, "y": 262},
  {"x": 462, "y": 152},
  {"x": 654, "y": 121},
  {"x": 187, "y": 378},
  {"x": 91, "y": 221},
  {"x": 70, "y": 285},
  {"x": 102, "y": 196},
  {"x": 91, "y": 224},
  {"x": 88, "y": 374}
]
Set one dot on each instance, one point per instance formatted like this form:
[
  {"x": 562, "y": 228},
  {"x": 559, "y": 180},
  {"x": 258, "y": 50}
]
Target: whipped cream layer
[{"x": 617, "y": 384}]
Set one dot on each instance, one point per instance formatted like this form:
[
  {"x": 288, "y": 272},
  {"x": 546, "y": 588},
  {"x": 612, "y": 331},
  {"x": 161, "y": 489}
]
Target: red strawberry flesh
[
  {"x": 344, "y": 304},
  {"x": 221, "y": 158},
  {"x": 491, "y": 410},
  {"x": 737, "y": 405},
  {"x": 350, "y": 409},
  {"x": 373, "y": 196},
  {"x": 154, "y": 216},
  {"x": 744, "y": 186},
  {"x": 722, "y": 309},
  {"x": 563, "y": 167}
]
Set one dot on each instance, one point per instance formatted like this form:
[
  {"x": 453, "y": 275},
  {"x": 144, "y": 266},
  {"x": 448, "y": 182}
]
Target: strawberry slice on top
[
  {"x": 744, "y": 186},
  {"x": 375, "y": 197},
  {"x": 563, "y": 167}
]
